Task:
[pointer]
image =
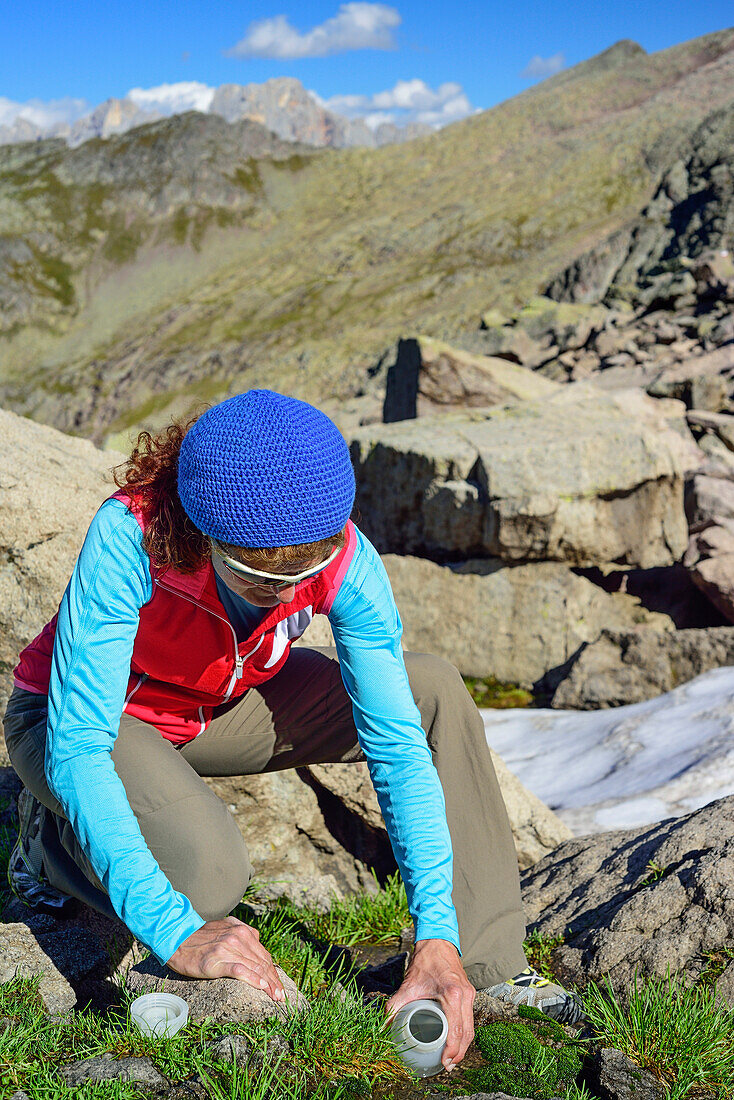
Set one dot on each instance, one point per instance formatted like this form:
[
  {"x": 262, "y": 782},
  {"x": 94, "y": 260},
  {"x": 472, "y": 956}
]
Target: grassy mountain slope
[{"x": 213, "y": 266}]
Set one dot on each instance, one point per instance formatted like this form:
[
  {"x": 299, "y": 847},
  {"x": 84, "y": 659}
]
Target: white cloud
[
  {"x": 44, "y": 114},
  {"x": 539, "y": 67},
  {"x": 356, "y": 26},
  {"x": 408, "y": 101},
  {"x": 186, "y": 95}
]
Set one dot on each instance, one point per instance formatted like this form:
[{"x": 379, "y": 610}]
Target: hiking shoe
[
  {"x": 25, "y": 867},
  {"x": 530, "y": 988}
]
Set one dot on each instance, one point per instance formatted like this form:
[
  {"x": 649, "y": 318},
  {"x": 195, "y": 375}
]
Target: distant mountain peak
[
  {"x": 281, "y": 104},
  {"x": 620, "y": 51}
]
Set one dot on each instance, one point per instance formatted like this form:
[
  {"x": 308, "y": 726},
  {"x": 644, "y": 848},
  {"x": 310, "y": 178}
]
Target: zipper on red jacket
[
  {"x": 142, "y": 678},
  {"x": 239, "y": 660}
]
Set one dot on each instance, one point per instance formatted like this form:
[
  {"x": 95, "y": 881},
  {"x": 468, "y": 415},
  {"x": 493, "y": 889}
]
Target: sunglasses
[{"x": 276, "y": 581}]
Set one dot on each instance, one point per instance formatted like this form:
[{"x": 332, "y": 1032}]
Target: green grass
[
  {"x": 539, "y": 952},
  {"x": 343, "y": 1038},
  {"x": 654, "y": 872},
  {"x": 675, "y": 1031},
  {"x": 376, "y": 918},
  {"x": 363, "y": 918},
  {"x": 340, "y": 1042},
  {"x": 716, "y": 964}
]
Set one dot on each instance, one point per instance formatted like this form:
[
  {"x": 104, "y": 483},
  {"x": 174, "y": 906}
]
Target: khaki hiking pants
[{"x": 303, "y": 715}]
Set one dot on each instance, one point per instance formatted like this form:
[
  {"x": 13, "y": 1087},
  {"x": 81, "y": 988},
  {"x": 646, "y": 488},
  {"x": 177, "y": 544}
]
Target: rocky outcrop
[
  {"x": 623, "y": 667},
  {"x": 677, "y": 341},
  {"x": 710, "y": 553},
  {"x": 692, "y": 211},
  {"x": 536, "y": 829},
  {"x": 580, "y": 477},
  {"x": 652, "y": 901},
  {"x": 284, "y": 106},
  {"x": 520, "y": 624},
  {"x": 429, "y": 376}
]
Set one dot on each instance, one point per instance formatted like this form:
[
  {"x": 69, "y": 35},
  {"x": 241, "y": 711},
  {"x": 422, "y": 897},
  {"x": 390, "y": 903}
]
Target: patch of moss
[
  {"x": 123, "y": 240},
  {"x": 55, "y": 275},
  {"x": 248, "y": 177},
  {"x": 294, "y": 163},
  {"x": 530, "y": 1057},
  {"x": 488, "y": 692},
  {"x": 180, "y": 225}
]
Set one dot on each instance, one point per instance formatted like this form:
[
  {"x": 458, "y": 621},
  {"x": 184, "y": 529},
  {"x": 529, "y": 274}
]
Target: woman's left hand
[{"x": 436, "y": 973}]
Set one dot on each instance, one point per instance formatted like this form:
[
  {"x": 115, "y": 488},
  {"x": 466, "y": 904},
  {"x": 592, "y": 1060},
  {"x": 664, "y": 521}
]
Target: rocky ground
[{"x": 623, "y": 906}]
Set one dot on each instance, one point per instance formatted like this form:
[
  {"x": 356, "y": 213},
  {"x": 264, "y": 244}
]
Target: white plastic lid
[{"x": 159, "y": 1014}]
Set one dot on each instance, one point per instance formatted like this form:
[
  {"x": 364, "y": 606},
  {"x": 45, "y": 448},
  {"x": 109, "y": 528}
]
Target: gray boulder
[
  {"x": 583, "y": 477},
  {"x": 710, "y": 553},
  {"x": 22, "y": 955},
  {"x": 232, "y": 1048},
  {"x": 429, "y": 377},
  {"x": 222, "y": 1000},
  {"x": 702, "y": 419},
  {"x": 290, "y": 841},
  {"x": 518, "y": 624},
  {"x": 623, "y": 667},
  {"x": 616, "y": 1077},
  {"x": 648, "y": 901},
  {"x": 64, "y": 954},
  {"x": 701, "y": 381},
  {"x": 105, "y": 1067}
]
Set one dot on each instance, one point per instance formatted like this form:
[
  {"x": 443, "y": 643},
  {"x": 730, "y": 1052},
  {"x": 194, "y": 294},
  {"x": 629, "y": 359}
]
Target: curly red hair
[{"x": 150, "y": 477}]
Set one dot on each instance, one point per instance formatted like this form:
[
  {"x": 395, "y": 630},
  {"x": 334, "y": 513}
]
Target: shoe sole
[
  {"x": 569, "y": 1012},
  {"x": 49, "y": 900}
]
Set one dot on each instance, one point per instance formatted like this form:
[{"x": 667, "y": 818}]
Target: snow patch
[{"x": 635, "y": 765}]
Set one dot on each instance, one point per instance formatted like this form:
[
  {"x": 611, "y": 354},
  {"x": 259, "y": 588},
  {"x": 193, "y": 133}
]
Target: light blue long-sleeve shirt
[{"x": 98, "y": 621}]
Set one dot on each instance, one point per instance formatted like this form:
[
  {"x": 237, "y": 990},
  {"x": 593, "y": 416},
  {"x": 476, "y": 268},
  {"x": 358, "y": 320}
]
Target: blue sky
[{"x": 435, "y": 59}]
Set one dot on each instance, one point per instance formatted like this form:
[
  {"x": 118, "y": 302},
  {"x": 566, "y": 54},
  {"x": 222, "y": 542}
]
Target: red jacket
[{"x": 186, "y": 659}]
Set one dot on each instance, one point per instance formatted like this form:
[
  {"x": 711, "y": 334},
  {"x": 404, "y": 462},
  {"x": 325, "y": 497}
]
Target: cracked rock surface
[
  {"x": 638, "y": 900},
  {"x": 106, "y": 1067}
]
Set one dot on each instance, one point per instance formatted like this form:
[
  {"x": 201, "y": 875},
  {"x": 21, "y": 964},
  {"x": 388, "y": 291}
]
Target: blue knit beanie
[{"x": 261, "y": 469}]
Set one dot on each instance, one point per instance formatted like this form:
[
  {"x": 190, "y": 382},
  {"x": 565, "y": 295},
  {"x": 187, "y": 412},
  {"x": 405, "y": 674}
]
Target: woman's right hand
[{"x": 228, "y": 948}]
